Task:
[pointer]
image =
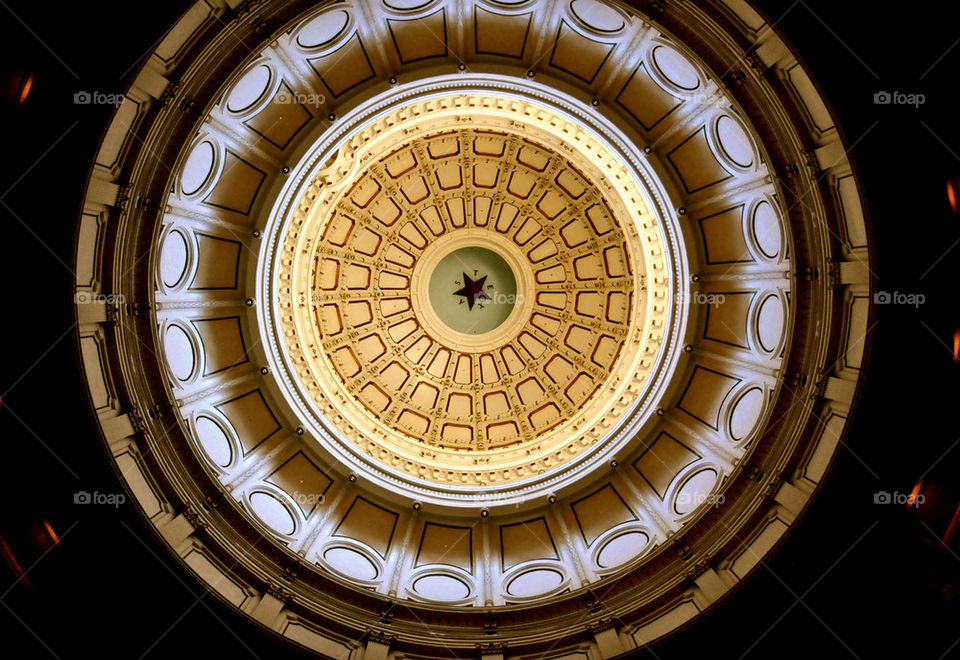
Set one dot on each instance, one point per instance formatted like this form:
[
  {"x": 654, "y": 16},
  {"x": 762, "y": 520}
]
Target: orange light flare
[
  {"x": 27, "y": 85},
  {"x": 952, "y": 527},
  {"x": 7, "y": 553},
  {"x": 915, "y": 499},
  {"x": 956, "y": 346},
  {"x": 953, "y": 194},
  {"x": 52, "y": 535}
]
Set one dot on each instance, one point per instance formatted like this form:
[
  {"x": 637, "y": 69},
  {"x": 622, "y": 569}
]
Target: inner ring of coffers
[
  {"x": 513, "y": 471},
  {"x": 368, "y": 397}
]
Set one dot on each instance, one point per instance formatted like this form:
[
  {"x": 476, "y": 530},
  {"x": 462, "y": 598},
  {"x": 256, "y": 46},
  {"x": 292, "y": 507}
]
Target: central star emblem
[{"x": 472, "y": 290}]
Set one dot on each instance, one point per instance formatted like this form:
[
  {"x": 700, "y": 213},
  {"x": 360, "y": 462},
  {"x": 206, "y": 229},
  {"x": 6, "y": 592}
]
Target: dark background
[{"x": 854, "y": 579}]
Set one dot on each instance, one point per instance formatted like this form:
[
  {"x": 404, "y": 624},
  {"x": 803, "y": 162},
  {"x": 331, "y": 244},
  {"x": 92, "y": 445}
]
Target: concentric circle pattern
[
  {"x": 472, "y": 328},
  {"x": 446, "y": 406}
]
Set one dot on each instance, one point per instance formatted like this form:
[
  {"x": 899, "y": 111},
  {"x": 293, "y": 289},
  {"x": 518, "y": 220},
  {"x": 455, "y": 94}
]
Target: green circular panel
[{"x": 473, "y": 290}]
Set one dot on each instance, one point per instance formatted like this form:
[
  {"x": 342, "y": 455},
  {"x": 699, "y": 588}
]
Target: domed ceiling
[{"x": 490, "y": 328}]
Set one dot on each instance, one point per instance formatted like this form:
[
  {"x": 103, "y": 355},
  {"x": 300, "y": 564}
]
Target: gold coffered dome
[{"x": 471, "y": 305}]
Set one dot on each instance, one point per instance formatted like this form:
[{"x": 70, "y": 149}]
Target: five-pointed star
[{"x": 472, "y": 290}]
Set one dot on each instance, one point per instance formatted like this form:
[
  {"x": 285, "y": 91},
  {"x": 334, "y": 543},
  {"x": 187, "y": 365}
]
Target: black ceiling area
[{"x": 872, "y": 569}]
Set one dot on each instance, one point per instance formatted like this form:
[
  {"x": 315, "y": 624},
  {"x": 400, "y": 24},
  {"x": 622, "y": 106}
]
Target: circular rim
[{"x": 523, "y": 491}]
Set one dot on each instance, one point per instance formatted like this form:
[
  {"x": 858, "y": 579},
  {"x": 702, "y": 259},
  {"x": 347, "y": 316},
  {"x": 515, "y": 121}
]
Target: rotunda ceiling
[{"x": 473, "y": 327}]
